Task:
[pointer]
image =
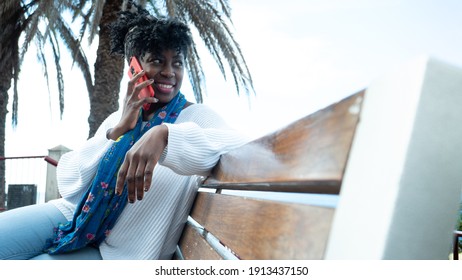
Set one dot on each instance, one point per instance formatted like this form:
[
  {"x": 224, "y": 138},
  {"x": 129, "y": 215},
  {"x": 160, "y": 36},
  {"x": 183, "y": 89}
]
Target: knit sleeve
[
  {"x": 77, "y": 168},
  {"x": 196, "y": 144}
]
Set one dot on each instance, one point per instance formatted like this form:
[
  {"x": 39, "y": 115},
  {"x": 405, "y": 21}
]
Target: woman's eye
[
  {"x": 178, "y": 64},
  {"x": 153, "y": 61}
]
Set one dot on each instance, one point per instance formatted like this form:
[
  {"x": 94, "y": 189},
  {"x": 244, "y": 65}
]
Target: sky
[{"x": 303, "y": 55}]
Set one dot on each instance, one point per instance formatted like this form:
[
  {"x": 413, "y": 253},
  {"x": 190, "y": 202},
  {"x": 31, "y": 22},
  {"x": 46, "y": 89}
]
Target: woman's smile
[{"x": 165, "y": 88}]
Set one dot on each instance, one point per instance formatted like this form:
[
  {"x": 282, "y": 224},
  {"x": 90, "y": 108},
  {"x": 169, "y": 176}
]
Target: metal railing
[{"x": 27, "y": 170}]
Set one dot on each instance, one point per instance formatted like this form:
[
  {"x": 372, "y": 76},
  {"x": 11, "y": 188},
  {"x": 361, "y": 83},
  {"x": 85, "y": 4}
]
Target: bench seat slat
[
  {"x": 260, "y": 229},
  {"x": 194, "y": 246}
]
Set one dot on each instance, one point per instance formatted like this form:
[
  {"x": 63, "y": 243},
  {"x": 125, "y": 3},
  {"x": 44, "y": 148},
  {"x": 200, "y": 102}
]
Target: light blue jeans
[{"x": 24, "y": 232}]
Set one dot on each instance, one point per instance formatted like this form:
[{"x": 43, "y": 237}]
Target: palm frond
[
  {"x": 77, "y": 53},
  {"x": 226, "y": 9},
  {"x": 97, "y": 13},
  {"x": 59, "y": 74},
  {"x": 76, "y": 8},
  {"x": 154, "y": 7},
  {"x": 84, "y": 26},
  {"x": 41, "y": 58},
  {"x": 78, "y": 11},
  {"x": 14, "y": 114},
  {"x": 30, "y": 30},
  {"x": 196, "y": 73}
]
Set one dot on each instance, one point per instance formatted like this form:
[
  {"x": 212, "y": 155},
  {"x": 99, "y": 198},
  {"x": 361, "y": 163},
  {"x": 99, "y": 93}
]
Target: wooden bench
[
  {"x": 262, "y": 229},
  {"x": 389, "y": 157}
]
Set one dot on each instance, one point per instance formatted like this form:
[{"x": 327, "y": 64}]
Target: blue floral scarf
[{"x": 100, "y": 207}]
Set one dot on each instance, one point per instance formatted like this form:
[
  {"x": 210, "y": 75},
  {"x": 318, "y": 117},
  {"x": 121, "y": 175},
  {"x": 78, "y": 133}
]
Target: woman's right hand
[{"x": 131, "y": 107}]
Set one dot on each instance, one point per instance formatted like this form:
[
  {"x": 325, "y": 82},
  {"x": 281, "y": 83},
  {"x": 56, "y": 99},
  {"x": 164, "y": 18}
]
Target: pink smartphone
[{"x": 135, "y": 67}]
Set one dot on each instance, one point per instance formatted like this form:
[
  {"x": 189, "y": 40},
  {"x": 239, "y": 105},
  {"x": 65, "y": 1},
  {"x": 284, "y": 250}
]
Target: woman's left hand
[{"x": 138, "y": 166}]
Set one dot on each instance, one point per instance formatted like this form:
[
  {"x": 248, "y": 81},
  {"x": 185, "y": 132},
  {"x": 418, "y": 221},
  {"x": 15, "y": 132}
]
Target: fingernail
[{"x": 156, "y": 100}]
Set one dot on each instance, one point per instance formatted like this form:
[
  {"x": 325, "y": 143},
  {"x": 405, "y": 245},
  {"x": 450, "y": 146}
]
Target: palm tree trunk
[
  {"x": 104, "y": 99},
  {"x": 10, "y": 24},
  {"x": 3, "y": 112}
]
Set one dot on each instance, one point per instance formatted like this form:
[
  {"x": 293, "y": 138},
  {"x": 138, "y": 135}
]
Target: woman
[{"x": 173, "y": 143}]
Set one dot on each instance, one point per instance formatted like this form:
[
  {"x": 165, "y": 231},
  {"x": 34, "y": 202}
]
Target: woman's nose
[{"x": 167, "y": 72}]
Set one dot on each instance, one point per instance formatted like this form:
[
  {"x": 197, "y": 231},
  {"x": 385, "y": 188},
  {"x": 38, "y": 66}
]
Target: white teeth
[{"x": 164, "y": 86}]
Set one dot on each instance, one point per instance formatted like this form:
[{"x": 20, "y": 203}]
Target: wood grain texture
[
  {"x": 260, "y": 229},
  {"x": 309, "y": 155}
]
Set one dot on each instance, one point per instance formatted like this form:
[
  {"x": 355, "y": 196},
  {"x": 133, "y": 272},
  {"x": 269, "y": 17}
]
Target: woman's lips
[{"x": 165, "y": 88}]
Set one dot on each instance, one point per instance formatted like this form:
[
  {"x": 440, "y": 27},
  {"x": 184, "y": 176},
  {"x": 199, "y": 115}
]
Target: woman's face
[{"x": 167, "y": 70}]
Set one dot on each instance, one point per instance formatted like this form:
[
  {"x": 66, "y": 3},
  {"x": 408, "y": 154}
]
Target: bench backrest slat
[{"x": 309, "y": 155}]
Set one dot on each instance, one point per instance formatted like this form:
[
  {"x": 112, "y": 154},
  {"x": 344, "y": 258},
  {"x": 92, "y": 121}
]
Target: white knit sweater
[{"x": 151, "y": 228}]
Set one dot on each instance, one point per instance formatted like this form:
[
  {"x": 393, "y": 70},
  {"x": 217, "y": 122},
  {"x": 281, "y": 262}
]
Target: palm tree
[
  {"x": 22, "y": 19},
  {"x": 210, "y": 18}
]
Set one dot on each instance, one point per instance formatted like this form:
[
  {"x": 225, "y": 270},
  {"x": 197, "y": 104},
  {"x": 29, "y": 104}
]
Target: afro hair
[{"x": 136, "y": 32}]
